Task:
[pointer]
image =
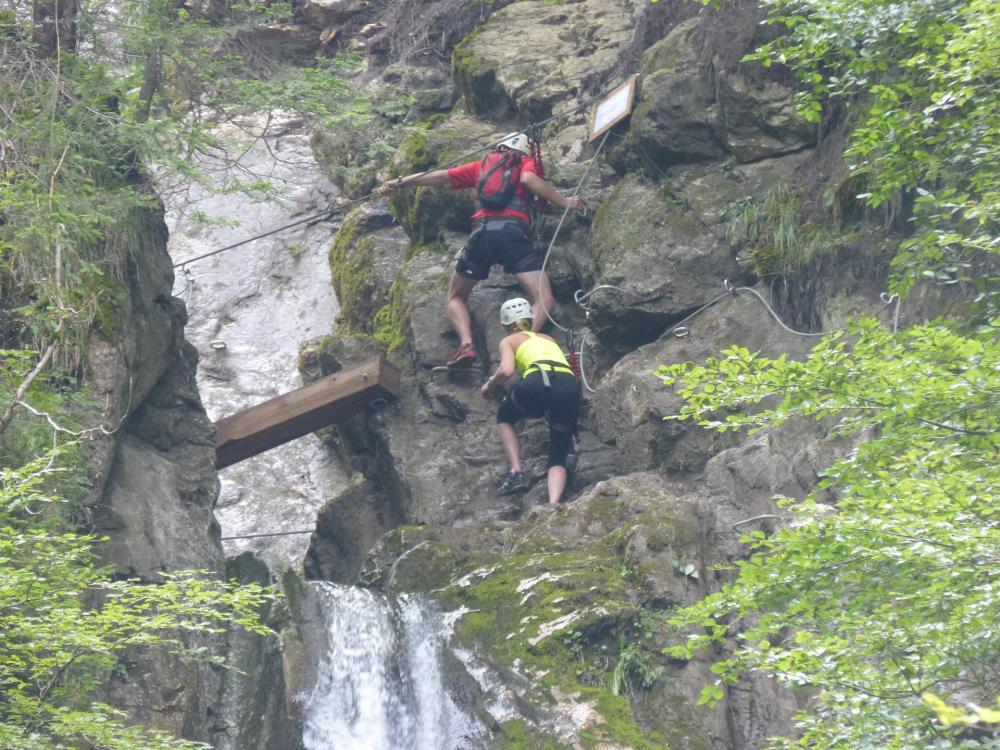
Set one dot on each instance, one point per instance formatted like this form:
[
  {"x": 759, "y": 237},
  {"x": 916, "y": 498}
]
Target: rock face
[
  {"x": 698, "y": 104},
  {"x": 167, "y": 458},
  {"x": 630, "y": 405},
  {"x": 678, "y": 117},
  {"x": 662, "y": 267},
  {"x": 560, "y": 613},
  {"x": 155, "y": 486},
  {"x": 559, "y": 604},
  {"x": 534, "y": 74}
]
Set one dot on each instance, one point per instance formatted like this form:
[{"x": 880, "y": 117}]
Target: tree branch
[{"x": 8, "y": 413}]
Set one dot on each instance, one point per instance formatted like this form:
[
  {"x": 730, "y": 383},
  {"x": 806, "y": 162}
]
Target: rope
[
  {"x": 579, "y": 296},
  {"x": 555, "y": 234},
  {"x": 330, "y": 213},
  {"x": 583, "y": 374},
  {"x": 272, "y": 533},
  {"x": 773, "y": 313},
  {"x": 679, "y": 327}
]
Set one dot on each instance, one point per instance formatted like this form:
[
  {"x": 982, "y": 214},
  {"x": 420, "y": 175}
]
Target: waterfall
[{"x": 379, "y": 686}]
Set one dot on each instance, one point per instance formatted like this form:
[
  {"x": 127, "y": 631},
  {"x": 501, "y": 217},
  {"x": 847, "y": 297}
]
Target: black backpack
[{"x": 499, "y": 176}]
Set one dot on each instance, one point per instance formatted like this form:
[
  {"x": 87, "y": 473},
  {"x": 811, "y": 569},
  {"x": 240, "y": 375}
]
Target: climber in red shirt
[{"x": 500, "y": 234}]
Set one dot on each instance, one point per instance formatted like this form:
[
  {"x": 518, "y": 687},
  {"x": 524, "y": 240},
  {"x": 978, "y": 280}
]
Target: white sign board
[{"x": 616, "y": 107}]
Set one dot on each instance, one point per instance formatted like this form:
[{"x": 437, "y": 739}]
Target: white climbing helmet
[
  {"x": 515, "y": 309},
  {"x": 517, "y": 142}
]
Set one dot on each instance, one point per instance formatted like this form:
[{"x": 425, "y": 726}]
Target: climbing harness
[{"x": 538, "y": 205}]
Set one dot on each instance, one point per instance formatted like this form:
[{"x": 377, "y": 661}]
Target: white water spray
[{"x": 380, "y": 685}]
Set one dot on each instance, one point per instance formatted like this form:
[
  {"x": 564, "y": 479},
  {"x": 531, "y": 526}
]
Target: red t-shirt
[{"x": 467, "y": 176}]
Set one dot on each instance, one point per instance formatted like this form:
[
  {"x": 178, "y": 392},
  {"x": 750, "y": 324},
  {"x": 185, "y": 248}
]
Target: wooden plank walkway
[{"x": 303, "y": 410}]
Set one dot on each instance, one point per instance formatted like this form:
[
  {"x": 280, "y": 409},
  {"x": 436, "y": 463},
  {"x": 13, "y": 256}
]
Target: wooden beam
[{"x": 303, "y": 410}]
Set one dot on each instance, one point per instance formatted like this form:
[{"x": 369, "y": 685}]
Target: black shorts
[
  {"x": 561, "y": 403},
  {"x": 503, "y": 241}
]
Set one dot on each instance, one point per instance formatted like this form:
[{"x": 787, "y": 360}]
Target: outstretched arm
[
  {"x": 437, "y": 178},
  {"x": 546, "y": 191}
]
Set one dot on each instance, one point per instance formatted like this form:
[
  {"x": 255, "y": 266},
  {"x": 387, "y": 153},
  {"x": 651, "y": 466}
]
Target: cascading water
[{"x": 379, "y": 686}]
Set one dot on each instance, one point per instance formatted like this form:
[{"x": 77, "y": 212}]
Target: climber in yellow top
[
  {"x": 547, "y": 388},
  {"x": 501, "y": 229}
]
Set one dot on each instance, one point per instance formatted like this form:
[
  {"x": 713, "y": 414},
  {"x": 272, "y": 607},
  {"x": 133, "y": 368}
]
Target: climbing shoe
[
  {"x": 464, "y": 355},
  {"x": 514, "y": 484}
]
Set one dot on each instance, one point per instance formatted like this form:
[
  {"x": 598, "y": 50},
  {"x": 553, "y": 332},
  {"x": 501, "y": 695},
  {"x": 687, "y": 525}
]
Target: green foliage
[
  {"x": 923, "y": 76},
  {"x": 634, "y": 670},
  {"x": 79, "y": 127},
  {"x": 66, "y": 622},
  {"x": 775, "y": 233},
  {"x": 892, "y": 591},
  {"x": 391, "y": 319}
]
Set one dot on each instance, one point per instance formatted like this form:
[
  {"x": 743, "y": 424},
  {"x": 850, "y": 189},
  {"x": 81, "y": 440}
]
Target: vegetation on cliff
[
  {"x": 90, "y": 95},
  {"x": 68, "y": 623},
  {"x": 888, "y": 598}
]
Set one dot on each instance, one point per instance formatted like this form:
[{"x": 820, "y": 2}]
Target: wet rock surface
[{"x": 249, "y": 308}]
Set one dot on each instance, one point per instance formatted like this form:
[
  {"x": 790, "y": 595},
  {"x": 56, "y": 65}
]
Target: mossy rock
[
  {"x": 517, "y": 62},
  {"x": 556, "y": 617},
  {"x": 364, "y": 260},
  {"x": 476, "y": 77},
  {"x": 426, "y": 212},
  {"x": 433, "y": 556},
  {"x": 662, "y": 260},
  {"x": 519, "y": 735},
  {"x": 549, "y": 604}
]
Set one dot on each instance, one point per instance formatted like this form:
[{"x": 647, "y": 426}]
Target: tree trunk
[
  {"x": 150, "y": 84},
  {"x": 54, "y": 25}
]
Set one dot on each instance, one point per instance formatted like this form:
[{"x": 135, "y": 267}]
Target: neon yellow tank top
[{"x": 537, "y": 349}]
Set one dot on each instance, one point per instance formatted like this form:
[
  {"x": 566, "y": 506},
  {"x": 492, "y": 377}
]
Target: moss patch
[
  {"x": 424, "y": 212},
  {"x": 391, "y": 319},
  {"x": 555, "y": 616},
  {"x": 516, "y": 735},
  {"x": 351, "y": 271},
  {"x": 475, "y": 78}
]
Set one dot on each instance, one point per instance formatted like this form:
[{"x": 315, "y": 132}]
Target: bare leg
[
  {"x": 557, "y": 483},
  {"x": 535, "y": 285},
  {"x": 511, "y": 446},
  {"x": 458, "y": 313}
]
